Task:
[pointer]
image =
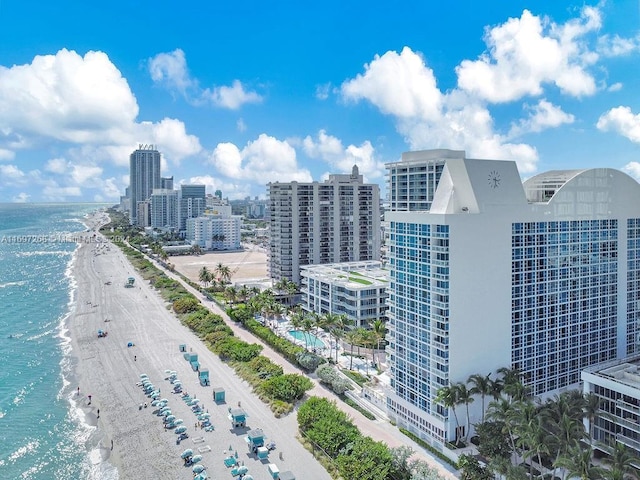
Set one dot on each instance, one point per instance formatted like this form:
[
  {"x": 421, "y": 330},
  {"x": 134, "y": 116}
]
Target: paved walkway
[{"x": 379, "y": 430}]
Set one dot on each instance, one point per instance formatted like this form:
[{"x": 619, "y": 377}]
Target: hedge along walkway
[{"x": 378, "y": 430}]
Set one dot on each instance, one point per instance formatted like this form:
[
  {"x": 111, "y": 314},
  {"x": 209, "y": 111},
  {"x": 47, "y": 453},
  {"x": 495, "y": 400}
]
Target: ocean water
[{"x": 42, "y": 433}]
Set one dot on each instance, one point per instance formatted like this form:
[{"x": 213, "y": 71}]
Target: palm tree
[
  {"x": 590, "y": 408},
  {"x": 512, "y": 381},
  {"x": 338, "y": 327},
  {"x": 223, "y": 272},
  {"x": 465, "y": 397},
  {"x": 351, "y": 336},
  {"x": 448, "y": 398},
  {"x": 533, "y": 439},
  {"x": 243, "y": 294},
  {"x": 577, "y": 463},
  {"x": 481, "y": 385},
  {"x": 620, "y": 461},
  {"x": 308, "y": 324},
  {"x": 501, "y": 411},
  {"x": 204, "y": 276},
  {"x": 368, "y": 339},
  {"x": 231, "y": 293},
  {"x": 296, "y": 317},
  {"x": 379, "y": 329}
]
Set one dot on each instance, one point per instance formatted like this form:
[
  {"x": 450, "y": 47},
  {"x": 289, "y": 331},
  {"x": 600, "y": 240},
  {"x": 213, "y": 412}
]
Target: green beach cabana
[{"x": 218, "y": 395}]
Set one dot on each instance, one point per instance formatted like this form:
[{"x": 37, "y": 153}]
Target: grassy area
[
  {"x": 360, "y": 280},
  {"x": 425, "y": 445},
  {"x": 355, "y": 405},
  {"x": 356, "y": 377}
]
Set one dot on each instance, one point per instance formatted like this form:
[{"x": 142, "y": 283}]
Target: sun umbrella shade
[
  {"x": 198, "y": 468},
  {"x": 196, "y": 459},
  {"x": 187, "y": 453},
  {"x": 180, "y": 429}
]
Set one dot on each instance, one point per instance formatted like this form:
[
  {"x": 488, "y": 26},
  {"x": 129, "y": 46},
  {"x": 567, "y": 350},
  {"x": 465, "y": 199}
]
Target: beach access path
[
  {"x": 379, "y": 429},
  {"x": 108, "y": 371}
]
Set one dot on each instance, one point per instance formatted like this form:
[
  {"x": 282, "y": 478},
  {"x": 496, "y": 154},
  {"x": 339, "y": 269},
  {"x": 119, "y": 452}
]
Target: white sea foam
[
  {"x": 43, "y": 252},
  {"x": 86, "y": 435},
  {"x": 12, "y": 284}
]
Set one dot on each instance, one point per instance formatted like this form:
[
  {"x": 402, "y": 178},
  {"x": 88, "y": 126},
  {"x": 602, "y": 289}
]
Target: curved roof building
[{"x": 542, "y": 276}]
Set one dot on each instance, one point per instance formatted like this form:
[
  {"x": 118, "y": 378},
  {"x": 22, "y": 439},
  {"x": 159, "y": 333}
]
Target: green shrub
[
  {"x": 288, "y": 388},
  {"x": 309, "y": 361},
  {"x": 186, "y": 304}
]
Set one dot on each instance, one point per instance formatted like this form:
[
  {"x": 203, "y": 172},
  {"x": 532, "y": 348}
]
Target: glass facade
[
  {"x": 419, "y": 316},
  {"x": 564, "y": 299},
  {"x": 633, "y": 285}
]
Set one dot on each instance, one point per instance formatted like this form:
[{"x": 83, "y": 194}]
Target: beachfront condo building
[
  {"x": 357, "y": 290},
  {"x": 144, "y": 177},
  {"x": 192, "y": 203},
  {"x": 337, "y": 220},
  {"x": 617, "y": 386},
  {"x": 164, "y": 205},
  {"x": 542, "y": 276},
  {"x": 214, "y": 232}
]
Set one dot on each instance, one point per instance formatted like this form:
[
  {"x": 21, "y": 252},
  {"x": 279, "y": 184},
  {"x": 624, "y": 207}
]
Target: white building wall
[{"x": 480, "y": 204}]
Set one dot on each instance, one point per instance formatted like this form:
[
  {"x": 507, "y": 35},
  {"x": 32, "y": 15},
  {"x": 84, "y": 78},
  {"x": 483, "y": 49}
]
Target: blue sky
[{"x": 238, "y": 94}]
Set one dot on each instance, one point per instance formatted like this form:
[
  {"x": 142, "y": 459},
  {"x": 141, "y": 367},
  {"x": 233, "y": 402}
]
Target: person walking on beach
[
  {"x": 98, "y": 412},
  {"x": 89, "y": 397}
]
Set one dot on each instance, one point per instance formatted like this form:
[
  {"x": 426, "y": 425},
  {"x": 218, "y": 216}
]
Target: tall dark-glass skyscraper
[{"x": 144, "y": 176}]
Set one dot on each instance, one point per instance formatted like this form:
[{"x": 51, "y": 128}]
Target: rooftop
[{"x": 352, "y": 274}]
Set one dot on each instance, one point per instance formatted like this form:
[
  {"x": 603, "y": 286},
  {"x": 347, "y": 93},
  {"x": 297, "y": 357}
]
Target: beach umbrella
[
  {"x": 242, "y": 470},
  {"x": 167, "y": 372},
  {"x": 187, "y": 453},
  {"x": 170, "y": 418},
  {"x": 247, "y": 477},
  {"x": 201, "y": 476},
  {"x": 236, "y": 453},
  {"x": 180, "y": 429},
  {"x": 164, "y": 400},
  {"x": 196, "y": 459},
  {"x": 143, "y": 375},
  {"x": 178, "y": 421},
  {"x": 198, "y": 468},
  {"x": 166, "y": 413},
  {"x": 155, "y": 403}
]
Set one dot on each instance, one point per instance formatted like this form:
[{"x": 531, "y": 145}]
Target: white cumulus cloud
[
  {"x": 11, "y": 172},
  {"x": 455, "y": 120},
  {"x": 66, "y": 97},
  {"x": 232, "y": 97},
  {"x": 632, "y": 169},
  {"x": 263, "y": 160},
  {"x": 527, "y": 52},
  {"x": 622, "y": 121},
  {"x": 543, "y": 115},
  {"x": 330, "y": 149},
  {"x": 170, "y": 70},
  {"x": 398, "y": 84}
]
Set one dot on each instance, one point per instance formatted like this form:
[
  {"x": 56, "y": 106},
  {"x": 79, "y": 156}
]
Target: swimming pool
[{"x": 312, "y": 340}]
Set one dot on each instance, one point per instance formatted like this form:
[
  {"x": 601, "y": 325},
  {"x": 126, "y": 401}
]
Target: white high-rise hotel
[{"x": 542, "y": 276}]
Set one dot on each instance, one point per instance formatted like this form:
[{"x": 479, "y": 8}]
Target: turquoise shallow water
[{"x": 42, "y": 435}]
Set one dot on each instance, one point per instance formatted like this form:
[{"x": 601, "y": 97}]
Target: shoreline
[{"x": 108, "y": 370}]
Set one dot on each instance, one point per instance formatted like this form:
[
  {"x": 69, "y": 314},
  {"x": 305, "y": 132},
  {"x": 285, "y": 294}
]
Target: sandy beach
[
  {"x": 247, "y": 266},
  {"x": 109, "y": 370}
]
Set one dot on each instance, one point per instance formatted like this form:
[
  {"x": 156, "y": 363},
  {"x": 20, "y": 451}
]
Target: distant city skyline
[{"x": 235, "y": 97}]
